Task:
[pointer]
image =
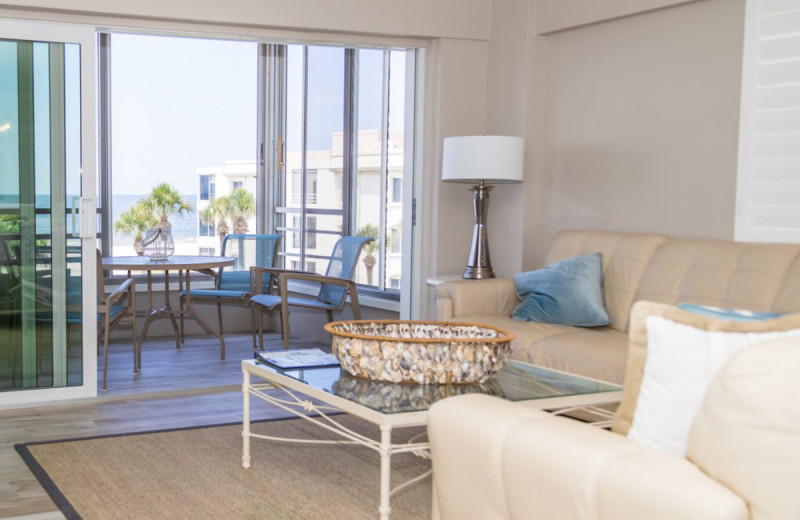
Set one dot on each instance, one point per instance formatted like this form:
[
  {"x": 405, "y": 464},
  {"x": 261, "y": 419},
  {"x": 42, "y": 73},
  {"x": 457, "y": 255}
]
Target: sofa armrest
[
  {"x": 494, "y": 297},
  {"x": 494, "y": 459}
]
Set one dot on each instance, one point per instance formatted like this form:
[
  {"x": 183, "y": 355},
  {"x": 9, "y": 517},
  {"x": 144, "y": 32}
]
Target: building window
[
  {"x": 297, "y": 187},
  {"x": 206, "y": 251},
  {"x": 395, "y": 240},
  {"x": 238, "y": 185},
  {"x": 207, "y": 229},
  {"x": 295, "y": 231},
  {"x": 204, "y": 193},
  {"x": 311, "y": 235},
  {"x": 397, "y": 189}
]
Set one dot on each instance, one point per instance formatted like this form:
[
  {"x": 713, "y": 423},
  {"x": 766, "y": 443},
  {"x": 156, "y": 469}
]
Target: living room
[{"x": 630, "y": 113}]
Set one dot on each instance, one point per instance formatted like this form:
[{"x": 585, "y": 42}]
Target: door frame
[{"x": 85, "y": 36}]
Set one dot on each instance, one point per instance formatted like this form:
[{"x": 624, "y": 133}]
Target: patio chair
[
  {"x": 117, "y": 307},
  {"x": 233, "y": 284},
  {"x": 335, "y": 286}
]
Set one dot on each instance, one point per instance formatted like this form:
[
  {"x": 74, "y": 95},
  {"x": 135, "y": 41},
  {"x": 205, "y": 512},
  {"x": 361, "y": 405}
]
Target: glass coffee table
[{"x": 326, "y": 390}]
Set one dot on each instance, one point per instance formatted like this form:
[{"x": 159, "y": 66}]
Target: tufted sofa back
[
  {"x": 724, "y": 274},
  {"x": 764, "y": 277}
]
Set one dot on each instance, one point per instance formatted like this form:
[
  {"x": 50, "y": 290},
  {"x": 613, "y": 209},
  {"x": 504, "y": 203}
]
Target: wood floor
[{"x": 176, "y": 388}]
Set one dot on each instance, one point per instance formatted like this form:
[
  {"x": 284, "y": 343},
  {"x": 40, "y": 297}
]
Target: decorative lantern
[{"x": 158, "y": 244}]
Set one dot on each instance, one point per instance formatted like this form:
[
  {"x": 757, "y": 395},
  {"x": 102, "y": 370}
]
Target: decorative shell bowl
[{"x": 424, "y": 352}]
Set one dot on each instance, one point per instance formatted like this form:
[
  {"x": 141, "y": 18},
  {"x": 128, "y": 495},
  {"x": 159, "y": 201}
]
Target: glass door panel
[
  {"x": 324, "y": 180},
  {"x": 313, "y": 198},
  {"x": 369, "y": 178},
  {"x": 40, "y": 187}
]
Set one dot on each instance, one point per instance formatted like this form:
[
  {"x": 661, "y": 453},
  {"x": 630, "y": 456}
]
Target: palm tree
[
  {"x": 237, "y": 207},
  {"x": 213, "y": 214},
  {"x": 369, "y": 230},
  {"x": 241, "y": 206},
  {"x": 135, "y": 221},
  {"x": 164, "y": 200}
]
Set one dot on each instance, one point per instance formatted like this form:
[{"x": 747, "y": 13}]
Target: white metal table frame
[{"x": 385, "y": 421}]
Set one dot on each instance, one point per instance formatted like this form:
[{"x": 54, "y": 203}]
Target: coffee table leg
[
  {"x": 386, "y": 469},
  {"x": 245, "y": 419}
]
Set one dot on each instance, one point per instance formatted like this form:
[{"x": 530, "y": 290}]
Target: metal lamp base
[
  {"x": 478, "y": 273},
  {"x": 479, "y": 264}
]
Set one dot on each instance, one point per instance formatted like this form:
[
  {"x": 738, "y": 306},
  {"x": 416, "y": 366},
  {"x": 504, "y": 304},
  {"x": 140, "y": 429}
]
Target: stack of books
[{"x": 297, "y": 358}]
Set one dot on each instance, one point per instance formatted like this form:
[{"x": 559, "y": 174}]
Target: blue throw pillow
[
  {"x": 569, "y": 292},
  {"x": 728, "y": 314}
]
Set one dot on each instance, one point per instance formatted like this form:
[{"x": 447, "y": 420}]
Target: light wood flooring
[{"x": 176, "y": 388}]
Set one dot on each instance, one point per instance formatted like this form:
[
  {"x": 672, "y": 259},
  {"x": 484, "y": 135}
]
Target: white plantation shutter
[{"x": 768, "y": 188}]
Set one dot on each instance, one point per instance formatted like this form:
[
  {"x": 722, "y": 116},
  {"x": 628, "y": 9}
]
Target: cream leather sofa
[
  {"x": 764, "y": 277},
  {"x": 494, "y": 459}
]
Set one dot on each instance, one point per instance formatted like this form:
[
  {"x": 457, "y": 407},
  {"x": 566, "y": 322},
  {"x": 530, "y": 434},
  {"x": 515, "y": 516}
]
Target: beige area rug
[{"x": 196, "y": 474}]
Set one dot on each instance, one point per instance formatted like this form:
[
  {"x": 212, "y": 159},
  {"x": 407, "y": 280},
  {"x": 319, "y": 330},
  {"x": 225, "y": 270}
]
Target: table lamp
[{"x": 482, "y": 160}]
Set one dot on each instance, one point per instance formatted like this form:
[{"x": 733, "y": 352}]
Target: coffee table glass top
[{"x": 515, "y": 382}]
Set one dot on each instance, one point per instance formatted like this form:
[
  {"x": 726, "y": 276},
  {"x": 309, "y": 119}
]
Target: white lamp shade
[{"x": 490, "y": 158}]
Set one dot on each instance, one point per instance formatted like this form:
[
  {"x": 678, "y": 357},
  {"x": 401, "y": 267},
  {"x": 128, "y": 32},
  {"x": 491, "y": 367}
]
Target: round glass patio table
[{"x": 180, "y": 264}]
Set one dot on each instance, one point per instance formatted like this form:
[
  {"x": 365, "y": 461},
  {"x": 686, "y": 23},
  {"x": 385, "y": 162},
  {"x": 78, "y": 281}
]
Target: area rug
[{"x": 196, "y": 473}]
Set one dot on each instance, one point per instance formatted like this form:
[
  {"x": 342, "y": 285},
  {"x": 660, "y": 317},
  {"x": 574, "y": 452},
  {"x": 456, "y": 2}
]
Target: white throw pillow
[{"x": 681, "y": 362}]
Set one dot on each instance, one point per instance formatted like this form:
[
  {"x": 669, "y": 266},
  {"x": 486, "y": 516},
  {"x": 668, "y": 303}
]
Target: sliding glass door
[
  {"x": 348, "y": 114},
  {"x": 43, "y": 313}
]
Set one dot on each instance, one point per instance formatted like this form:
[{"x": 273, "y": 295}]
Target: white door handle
[{"x": 88, "y": 218}]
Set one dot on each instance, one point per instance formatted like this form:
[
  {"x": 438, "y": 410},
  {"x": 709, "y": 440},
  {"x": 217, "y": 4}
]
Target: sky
[
  {"x": 183, "y": 103},
  {"x": 178, "y": 104}
]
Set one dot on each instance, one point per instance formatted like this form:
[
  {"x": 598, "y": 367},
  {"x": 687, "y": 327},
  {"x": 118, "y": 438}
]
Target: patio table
[{"x": 173, "y": 263}]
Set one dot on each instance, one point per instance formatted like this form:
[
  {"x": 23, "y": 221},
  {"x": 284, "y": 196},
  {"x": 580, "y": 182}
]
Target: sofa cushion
[
  {"x": 597, "y": 353},
  {"x": 681, "y": 362},
  {"x": 569, "y": 292},
  {"x": 527, "y": 332},
  {"x": 625, "y": 257},
  {"x": 747, "y": 432},
  {"x": 638, "y": 340}
]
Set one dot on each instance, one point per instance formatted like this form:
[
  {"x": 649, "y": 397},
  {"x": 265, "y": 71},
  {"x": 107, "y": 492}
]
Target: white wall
[
  {"x": 459, "y": 69},
  {"x": 417, "y": 18},
  {"x": 506, "y": 115},
  {"x": 631, "y": 115}
]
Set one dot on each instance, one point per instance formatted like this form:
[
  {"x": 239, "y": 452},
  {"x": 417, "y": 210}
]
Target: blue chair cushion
[
  {"x": 236, "y": 281},
  {"x": 569, "y": 292},
  {"x": 216, "y": 293},
  {"x": 271, "y": 301}
]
